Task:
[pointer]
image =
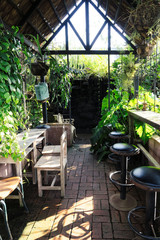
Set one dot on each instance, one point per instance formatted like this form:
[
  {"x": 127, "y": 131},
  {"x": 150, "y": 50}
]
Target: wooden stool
[
  {"x": 122, "y": 201},
  {"x": 148, "y": 179},
  {"x": 7, "y": 186}
]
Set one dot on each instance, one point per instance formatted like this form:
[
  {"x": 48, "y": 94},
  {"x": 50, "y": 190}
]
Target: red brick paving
[{"x": 84, "y": 212}]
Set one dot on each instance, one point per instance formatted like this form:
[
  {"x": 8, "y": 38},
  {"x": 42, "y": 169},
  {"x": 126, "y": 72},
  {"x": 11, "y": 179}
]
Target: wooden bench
[{"x": 151, "y": 160}]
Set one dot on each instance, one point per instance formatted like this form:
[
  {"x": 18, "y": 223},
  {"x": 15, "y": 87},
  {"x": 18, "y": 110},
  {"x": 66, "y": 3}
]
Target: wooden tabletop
[
  {"x": 26, "y": 138},
  {"x": 152, "y": 118}
]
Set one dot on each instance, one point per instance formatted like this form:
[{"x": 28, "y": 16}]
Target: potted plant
[
  {"x": 145, "y": 22},
  {"x": 39, "y": 68}
]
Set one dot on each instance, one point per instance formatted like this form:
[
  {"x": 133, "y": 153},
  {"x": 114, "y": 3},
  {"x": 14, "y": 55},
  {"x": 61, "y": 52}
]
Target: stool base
[{"x": 123, "y": 205}]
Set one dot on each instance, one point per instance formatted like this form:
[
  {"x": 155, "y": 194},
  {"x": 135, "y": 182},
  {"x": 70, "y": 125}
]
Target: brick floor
[{"x": 84, "y": 212}]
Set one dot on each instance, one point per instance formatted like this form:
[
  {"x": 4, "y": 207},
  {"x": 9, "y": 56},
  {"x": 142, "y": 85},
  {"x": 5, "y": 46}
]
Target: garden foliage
[{"x": 12, "y": 116}]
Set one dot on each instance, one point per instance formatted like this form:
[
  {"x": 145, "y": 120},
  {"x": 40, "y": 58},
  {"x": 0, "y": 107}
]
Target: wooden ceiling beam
[
  {"x": 37, "y": 31},
  {"x": 54, "y": 10},
  {"x": 44, "y": 19},
  {"x": 117, "y": 12},
  {"x": 65, "y": 5},
  {"x": 29, "y": 12},
  {"x": 98, "y": 3},
  {"x": 42, "y": 16},
  {"x": 15, "y": 7},
  {"x": 20, "y": 13},
  {"x": 75, "y": 3},
  {"x": 107, "y": 7}
]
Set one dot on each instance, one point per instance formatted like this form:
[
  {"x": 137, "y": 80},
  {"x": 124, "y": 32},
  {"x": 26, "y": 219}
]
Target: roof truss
[{"x": 88, "y": 46}]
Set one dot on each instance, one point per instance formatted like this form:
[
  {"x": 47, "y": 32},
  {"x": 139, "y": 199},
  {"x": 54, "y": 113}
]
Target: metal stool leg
[
  {"x": 150, "y": 212},
  {"x": 123, "y": 177},
  {"x": 3, "y": 209}
]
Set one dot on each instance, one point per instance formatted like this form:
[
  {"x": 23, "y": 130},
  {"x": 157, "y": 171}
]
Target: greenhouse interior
[{"x": 79, "y": 119}]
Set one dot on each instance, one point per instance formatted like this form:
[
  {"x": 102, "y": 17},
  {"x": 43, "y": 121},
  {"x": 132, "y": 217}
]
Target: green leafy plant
[
  {"x": 12, "y": 115},
  {"x": 123, "y": 71},
  {"x": 59, "y": 82},
  {"x": 117, "y": 116},
  {"x": 90, "y": 66}
]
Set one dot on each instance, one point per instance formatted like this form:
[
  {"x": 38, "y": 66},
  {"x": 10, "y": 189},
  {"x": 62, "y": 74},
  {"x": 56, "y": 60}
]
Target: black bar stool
[
  {"x": 117, "y": 136},
  {"x": 148, "y": 179},
  {"x": 123, "y": 201}
]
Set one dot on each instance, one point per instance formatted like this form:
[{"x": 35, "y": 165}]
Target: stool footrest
[
  {"x": 117, "y": 182},
  {"x": 148, "y": 231},
  {"x": 114, "y": 157}
]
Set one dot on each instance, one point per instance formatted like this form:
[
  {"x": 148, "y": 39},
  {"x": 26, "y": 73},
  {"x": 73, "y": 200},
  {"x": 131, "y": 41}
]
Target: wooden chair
[
  {"x": 51, "y": 150},
  {"x": 7, "y": 186},
  {"x": 56, "y": 164}
]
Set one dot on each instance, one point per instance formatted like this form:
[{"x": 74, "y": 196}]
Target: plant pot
[
  {"x": 39, "y": 69},
  {"x": 145, "y": 50}
]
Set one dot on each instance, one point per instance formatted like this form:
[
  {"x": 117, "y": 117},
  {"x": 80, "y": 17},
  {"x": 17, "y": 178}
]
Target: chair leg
[
  {"x": 66, "y": 174},
  {"x": 33, "y": 162},
  {"x": 5, "y": 216},
  {"x": 63, "y": 184},
  {"x": 46, "y": 177},
  {"x": 20, "y": 190},
  {"x": 39, "y": 178}
]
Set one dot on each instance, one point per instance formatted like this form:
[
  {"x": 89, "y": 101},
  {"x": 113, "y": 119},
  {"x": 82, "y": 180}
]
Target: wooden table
[
  {"x": 149, "y": 117},
  {"x": 27, "y": 141}
]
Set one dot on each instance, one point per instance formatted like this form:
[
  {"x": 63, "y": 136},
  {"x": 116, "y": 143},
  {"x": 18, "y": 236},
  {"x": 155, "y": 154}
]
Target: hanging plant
[
  {"x": 145, "y": 22},
  {"x": 123, "y": 72},
  {"x": 38, "y": 68},
  {"x": 59, "y": 82}
]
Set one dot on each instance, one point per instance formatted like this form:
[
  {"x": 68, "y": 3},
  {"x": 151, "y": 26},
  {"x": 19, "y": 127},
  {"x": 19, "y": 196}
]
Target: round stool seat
[
  {"x": 118, "y": 135},
  {"x": 146, "y": 177},
  {"x": 124, "y": 149}
]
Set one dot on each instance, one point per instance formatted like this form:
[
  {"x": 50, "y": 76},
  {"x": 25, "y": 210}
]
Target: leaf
[
  {"x": 4, "y": 56},
  {"x": 8, "y": 99},
  {"x": 3, "y": 75}
]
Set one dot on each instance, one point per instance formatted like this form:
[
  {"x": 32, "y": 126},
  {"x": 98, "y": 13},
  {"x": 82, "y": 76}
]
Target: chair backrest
[{"x": 63, "y": 153}]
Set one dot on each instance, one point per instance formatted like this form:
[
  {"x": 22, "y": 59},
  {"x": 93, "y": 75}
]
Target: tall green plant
[
  {"x": 59, "y": 82},
  {"x": 117, "y": 116},
  {"x": 11, "y": 95}
]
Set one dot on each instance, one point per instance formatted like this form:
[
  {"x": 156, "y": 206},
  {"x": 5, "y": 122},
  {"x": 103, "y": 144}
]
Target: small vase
[{"x": 144, "y": 106}]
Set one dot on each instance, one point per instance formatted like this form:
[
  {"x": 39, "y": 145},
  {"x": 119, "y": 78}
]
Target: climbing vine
[{"x": 12, "y": 116}]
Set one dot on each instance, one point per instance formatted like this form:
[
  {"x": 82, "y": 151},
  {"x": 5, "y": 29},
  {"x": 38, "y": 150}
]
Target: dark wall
[{"x": 86, "y": 98}]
